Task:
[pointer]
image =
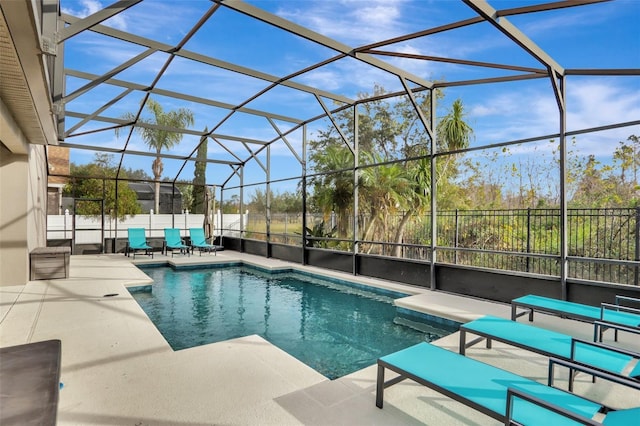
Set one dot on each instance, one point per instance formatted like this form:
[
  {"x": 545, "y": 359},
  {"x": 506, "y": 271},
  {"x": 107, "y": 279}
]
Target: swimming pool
[{"x": 331, "y": 325}]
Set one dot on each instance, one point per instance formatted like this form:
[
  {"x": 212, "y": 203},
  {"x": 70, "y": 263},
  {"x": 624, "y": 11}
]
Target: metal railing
[{"x": 603, "y": 244}]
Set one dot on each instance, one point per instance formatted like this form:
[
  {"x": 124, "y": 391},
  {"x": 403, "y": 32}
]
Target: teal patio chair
[
  {"x": 606, "y": 316},
  {"x": 199, "y": 241},
  {"x": 173, "y": 242},
  {"x": 507, "y": 397},
  {"x": 137, "y": 241},
  {"x": 611, "y": 362}
]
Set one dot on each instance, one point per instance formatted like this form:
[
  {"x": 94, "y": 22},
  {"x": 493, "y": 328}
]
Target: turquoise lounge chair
[
  {"x": 199, "y": 241},
  {"x": 173, "y": 242},
  {"x": 608, "y": 360},
  {"x": 614, "y": 316},
  {"x": 137, "y": 241},
  {"x": 497, "y": 393}
]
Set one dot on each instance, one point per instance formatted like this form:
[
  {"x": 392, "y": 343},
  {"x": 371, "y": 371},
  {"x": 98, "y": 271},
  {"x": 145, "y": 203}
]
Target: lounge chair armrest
[
  {"x": 620, "y": 298},
  {"x": 513, "y": 394},
  {"x": 618, "y": 308},
  {"x": 607, "y": 324},
  {"x": 589, "y": 370},
  {"x": 601, "y": 345}
]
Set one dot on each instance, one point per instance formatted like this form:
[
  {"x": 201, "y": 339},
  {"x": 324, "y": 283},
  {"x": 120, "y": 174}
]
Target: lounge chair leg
[
  {"x": 572, "y": 376},
  {"x": 551, "y": 373},
  {"x": 380, "y": 387}
]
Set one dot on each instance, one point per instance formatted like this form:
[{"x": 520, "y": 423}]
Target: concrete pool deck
[{"x": 117, "y": 369}]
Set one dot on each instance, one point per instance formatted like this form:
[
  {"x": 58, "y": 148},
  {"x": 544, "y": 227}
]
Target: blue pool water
[{"x": 332, "y": 326}]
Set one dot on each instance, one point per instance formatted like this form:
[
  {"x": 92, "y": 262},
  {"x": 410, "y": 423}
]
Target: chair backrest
[
  {"x": 137, "y": 236},
  {"x": 172, "y": 236},
  {"x": 197, "y": 236}
]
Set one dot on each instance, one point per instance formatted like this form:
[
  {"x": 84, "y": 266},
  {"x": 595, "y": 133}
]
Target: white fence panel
[
  {"x": 59, "y": 227},
  {"x": 87, "y": 227}
]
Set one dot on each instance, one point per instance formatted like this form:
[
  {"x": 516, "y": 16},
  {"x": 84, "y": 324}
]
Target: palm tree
[
  {"x": 416, "y": 198},
  {"x": 453, "y": 132},
  {"x": 159, "y": 139},
  {"x": 383, "y": 192},
  {"x": 334, "y": 191}
]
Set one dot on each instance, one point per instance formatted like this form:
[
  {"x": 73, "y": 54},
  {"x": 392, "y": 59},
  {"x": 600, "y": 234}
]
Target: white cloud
[
  {"x": 89, "y": 7},
  {"x": 348, "y": 21},
  {"x": 529, "y": 113},
  {"x": 378, "y": 15},
  {"x": 592, "y": 103},
  {"x": 548, "y": 25},
  {"x": 108, "y": 53},
  {"x": 500, "y": 105},
  {"x": 329, "y": 80}
]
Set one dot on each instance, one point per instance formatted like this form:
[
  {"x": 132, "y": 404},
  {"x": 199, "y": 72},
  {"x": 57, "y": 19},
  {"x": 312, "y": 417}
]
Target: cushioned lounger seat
[
  {"x": 173, "y": 241},
  {"x": 137, "y": 241},
  {"x": 617, "y": 361},
  {"x": 606, "y": 313},
  {"x": 199, "y": 241},
  {"x": 484, "y": 388}
]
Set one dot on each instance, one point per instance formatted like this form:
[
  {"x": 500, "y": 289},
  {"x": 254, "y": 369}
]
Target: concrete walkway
[{"x": 117, "y": 369}]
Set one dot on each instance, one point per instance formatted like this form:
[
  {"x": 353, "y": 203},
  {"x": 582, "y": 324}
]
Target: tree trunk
[
  {"x": 367, "y": 230},
  {"x": 400, "y": 233},
  {"x": 157, "y": 174}
]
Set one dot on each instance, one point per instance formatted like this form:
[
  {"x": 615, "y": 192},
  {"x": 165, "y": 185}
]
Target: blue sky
[{"x": 595, "y": 36}]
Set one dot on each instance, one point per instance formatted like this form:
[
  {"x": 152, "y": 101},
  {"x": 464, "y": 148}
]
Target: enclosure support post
[
  {"x": 115, "y": 224},
  {"x": 637, "y": 248},
  {"x": 268, "y": 202},
  {"x": 102, "y": 245},
  {"x": 73, "y": 227},
  {"x": 104, "y": 195},
  {"x": 173, "y": 207},
  {"x": 356, "y": 164},
  {"x": 434, "y": 204},
  {"x": 221, "y": 224},
  {"x": 457, "y": 237},
  {"x": 304, "y": 195},
  {"x": 528, "y": 238},
  {"x": 241, "y": 204},
  {"x": 559, "y": 87}
]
